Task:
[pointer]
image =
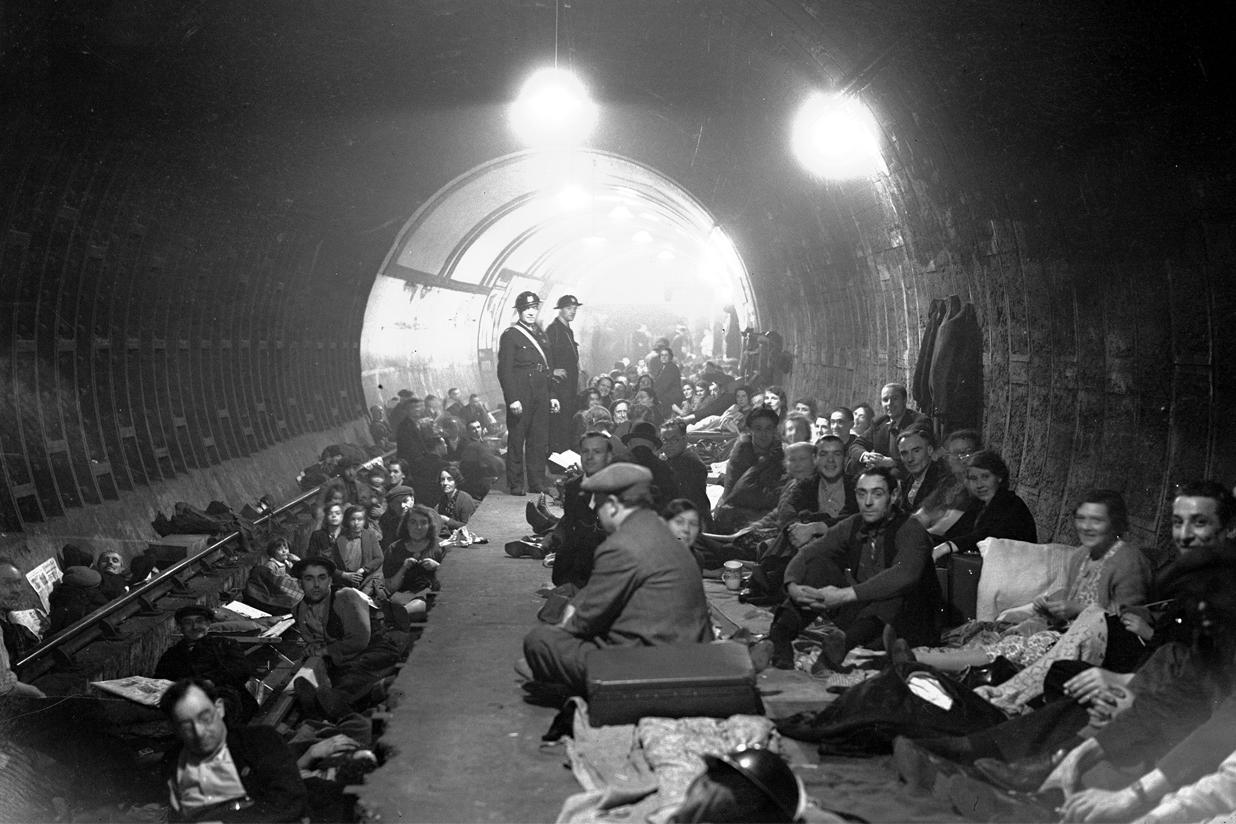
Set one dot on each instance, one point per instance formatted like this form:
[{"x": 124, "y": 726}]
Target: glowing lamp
[
  {"x": 835, "y": 136},
  {"x": 553, "y": 109}
]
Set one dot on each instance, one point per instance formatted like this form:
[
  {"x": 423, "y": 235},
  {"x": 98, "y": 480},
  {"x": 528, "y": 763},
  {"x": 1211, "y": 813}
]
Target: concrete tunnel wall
[{"x": 186, "y": 252}]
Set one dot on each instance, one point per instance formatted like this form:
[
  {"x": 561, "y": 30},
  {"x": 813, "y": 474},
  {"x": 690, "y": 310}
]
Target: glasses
[{"x": 961, "y": 456}]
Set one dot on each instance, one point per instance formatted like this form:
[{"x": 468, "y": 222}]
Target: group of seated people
[
  {"x": 847, "y": 538},
  {"x": 364, "y": 578}
]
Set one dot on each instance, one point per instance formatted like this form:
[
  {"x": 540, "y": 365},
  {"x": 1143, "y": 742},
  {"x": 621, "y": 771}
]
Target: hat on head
[
  {"x": 618, "y": 477},
  {"x": 526, "y": 300},
  {"x": 82, "y": 576},
  {"x": 644, "y": 431},
  {"x": 567, "y": 300},
  {"x": 397, "y": 492},
  {"x": 661, "y": 343},
  {"x": 194, "y": 609},
  {"x": 298, "y": 568}
]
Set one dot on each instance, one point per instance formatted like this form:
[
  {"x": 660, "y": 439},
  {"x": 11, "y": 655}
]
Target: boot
[
  {"x": 781, "y": 634},
  {"x": 1024, "y": 776}
]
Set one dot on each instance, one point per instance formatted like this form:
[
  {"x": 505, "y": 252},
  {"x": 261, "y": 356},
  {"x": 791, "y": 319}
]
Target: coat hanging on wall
[
  {"x": 921, "y": 387},
  {"x": 956, "y": 373}
]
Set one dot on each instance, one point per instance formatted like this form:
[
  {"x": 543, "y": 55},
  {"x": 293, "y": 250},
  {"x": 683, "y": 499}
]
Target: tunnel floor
[{"x": 467, "y": 747}]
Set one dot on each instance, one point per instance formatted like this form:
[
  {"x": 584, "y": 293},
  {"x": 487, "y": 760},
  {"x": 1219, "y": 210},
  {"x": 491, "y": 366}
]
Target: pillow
[{"x": 1015, "y": 573}]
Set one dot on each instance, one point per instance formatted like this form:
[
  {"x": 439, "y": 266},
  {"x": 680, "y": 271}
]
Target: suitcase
[
  {"x": 959, "y": 579},
  {"x": 626, "y": 684}
]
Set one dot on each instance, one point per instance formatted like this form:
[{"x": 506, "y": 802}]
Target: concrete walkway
[{"x": 468, "y": 746}]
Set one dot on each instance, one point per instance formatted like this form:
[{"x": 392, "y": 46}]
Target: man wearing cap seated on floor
[
  {"x": 338, "y": 624},
  {"x": 198, "y": 654},
  {"x": 870, "y": 571},
  {"x": 399, "y": 500},
  {"x": 227, "y": 773},
  {"x": 645, "y": 587}
]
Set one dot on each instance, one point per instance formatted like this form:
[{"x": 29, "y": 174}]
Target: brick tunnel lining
[{"x": 184, "y": 291}]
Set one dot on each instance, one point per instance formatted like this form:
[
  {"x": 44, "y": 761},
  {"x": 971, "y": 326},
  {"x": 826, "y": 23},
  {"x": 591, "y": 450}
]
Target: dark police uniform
[
  {"x": 563, "y": 353},
  {"x": 523, "y": 372}
]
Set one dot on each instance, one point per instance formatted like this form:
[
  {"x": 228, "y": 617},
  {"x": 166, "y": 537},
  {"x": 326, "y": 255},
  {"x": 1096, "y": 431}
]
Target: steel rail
[{"x": 165, "y": 577}]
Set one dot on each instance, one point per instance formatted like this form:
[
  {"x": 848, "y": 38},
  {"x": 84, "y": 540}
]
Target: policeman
[
  {"x": 523, "y": 372},
  {"x": 564, "y": 381}
]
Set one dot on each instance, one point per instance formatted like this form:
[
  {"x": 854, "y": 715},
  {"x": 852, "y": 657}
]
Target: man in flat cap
[
  {"x": 523, "y": 372},
  {"x": 198, "y": 654},
  {"x": 399, "y": 499},
  {"x": 645, "y": 588},
  {"x": 564, "y": 379}
]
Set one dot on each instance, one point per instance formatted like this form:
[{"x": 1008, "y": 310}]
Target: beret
[
  {"x": 195, "y": 609},
  {"x": 617, "y": 477},
  {"x": 80, "y": 576},
  {"x": 396, "y": 491}
]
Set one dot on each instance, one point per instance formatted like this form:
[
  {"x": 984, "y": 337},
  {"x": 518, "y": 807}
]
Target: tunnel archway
[{"x": 632, "y": 243}]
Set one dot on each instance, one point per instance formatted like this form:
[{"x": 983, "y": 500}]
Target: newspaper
[
  {"x": 244, "y": 610},
  {"x": 139, "y": 688},
  {"x": 566, "y": 459},
  {"x": 279, "y": 628},
  {"x": 34, "y": 620},
  {"x": 43, "y": 577}
]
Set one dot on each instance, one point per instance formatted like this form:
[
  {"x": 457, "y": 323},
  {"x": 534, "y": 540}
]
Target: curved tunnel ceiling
[
  {"x": 615, "y": 233},
  {"x": 193, "y": 192}
]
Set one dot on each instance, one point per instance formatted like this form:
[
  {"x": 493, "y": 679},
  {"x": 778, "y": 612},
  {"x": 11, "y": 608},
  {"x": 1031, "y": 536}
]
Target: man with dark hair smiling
[
  {"x": 897, "y": 418},
  {"x": 916, "y": 448},
  {"x": 870, "y": 571}
]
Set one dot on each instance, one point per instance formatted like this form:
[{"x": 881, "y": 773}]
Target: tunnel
[{"x": 229, "y": 228}]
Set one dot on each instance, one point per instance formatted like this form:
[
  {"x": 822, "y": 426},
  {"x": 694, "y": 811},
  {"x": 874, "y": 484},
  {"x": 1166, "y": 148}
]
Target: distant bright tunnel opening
[{"x": 633, "y": 246}]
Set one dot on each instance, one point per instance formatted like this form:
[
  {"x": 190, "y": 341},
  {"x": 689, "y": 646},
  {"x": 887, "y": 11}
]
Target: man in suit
[
  {"x": 690, "y": 473},
  {"x": 198, "y": 654},
  {"x": 564, "y": 380},
  {"x": 916, "y": 448},
  {"x": 577, "y": 534},
  {"x": 896, "y": 419},
  {"x": 645, "y": 588},
  {"x": 222, "y": 774},
  {"x": 523, "y": 372}
]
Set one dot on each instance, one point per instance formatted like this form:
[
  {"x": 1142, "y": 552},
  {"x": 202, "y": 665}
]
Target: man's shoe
[
  {"x": 536, "y": 520},
  {"x": 1024, "y": 776},
  {"x": 979, "y": 801},
  {"x": 918, "y": 767},
  {"x": 782, "y": 653},
  {"x": 761, "y": 653},
  {"x": 955, "y": 748},
  {"x": 833, "y": 648}
]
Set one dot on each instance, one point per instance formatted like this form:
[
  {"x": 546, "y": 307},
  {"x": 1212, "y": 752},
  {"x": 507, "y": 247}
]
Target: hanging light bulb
[{"x": 553, "y": 109}]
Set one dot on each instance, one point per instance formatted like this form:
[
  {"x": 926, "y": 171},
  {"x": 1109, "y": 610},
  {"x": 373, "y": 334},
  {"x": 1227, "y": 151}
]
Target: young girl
[{"x": 411, "y": 564}]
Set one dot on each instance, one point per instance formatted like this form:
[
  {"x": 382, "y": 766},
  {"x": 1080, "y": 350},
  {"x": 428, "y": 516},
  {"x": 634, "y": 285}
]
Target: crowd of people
[
  {"x": 842, "y": 518},
  {"x": 1116, "y": 685}
]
